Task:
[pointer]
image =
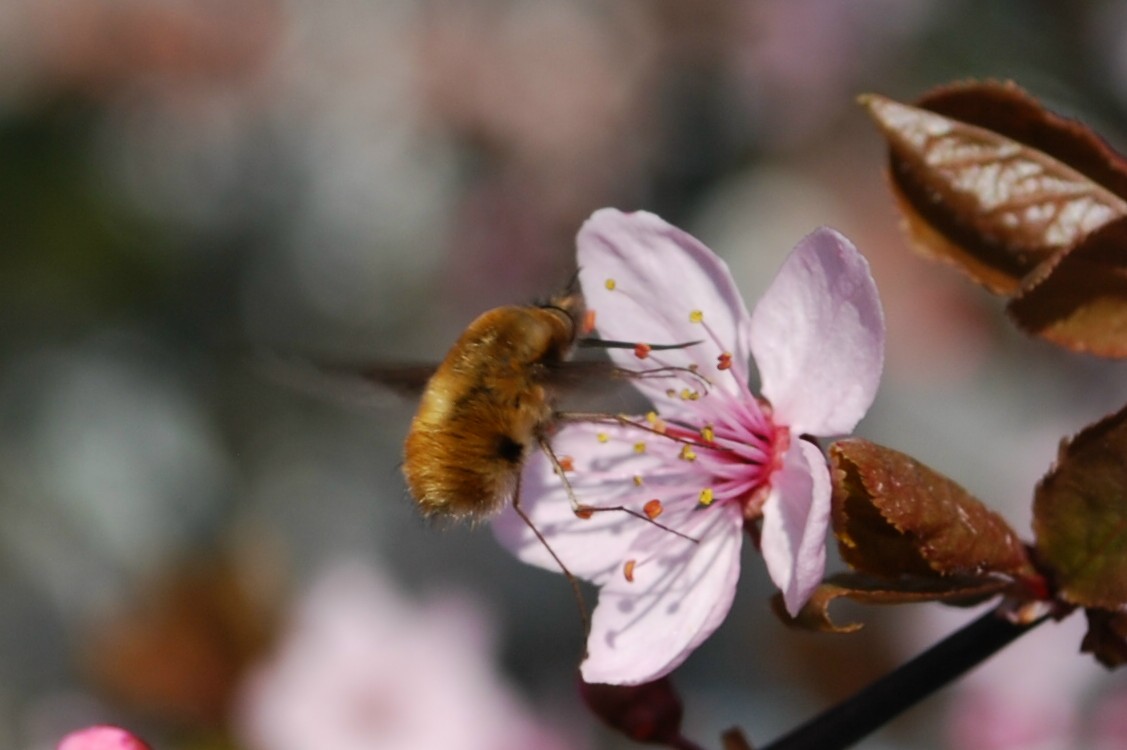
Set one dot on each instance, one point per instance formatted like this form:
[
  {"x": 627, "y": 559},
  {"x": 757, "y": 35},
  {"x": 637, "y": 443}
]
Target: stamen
[
  {"x": 653, "y": 508},
  {"x": 696, "y": 316},
  {"x": 724, "y": 361},
  {"x": 639, "y": 447},
  {"x": 610, "y": 284},
  {"x": 687, "y": 453},
  {"x": 584, "y": 511},
  {"x": 656, "y": 422},
  {"x": 641, "y": 351},
  {"x": 602, "y": 437},
  {"x": 705, "y": 497},
  {"x": 637, "y": 480},
  {"x": 567, "y": 463},
  {"x": 708, "y": 434},
  {"x": 588, "y": 322},
  {"x": 687, "y": 394},
  {"x": 628, "y": 570}
]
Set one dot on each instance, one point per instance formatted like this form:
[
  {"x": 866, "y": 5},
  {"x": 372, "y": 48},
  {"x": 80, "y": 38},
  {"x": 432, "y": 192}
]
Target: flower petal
[
  {"x": 818, "y": 337},
  {"x": 681, "y": 591},
  {"x": 795, "y": 518},
  {"x": 663, "y": 280},
  {"x": 605, "y": 465}
]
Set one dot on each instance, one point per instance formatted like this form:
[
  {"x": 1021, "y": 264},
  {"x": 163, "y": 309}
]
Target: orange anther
[{"x": 588, "y": 322}]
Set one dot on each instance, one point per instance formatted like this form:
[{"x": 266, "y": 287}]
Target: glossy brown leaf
[
  {"x": 1106, "y": 638},
  {"x": 1080, "y": 516},
  {"x": 993, "y": 183},
  {"x": 894, "y": 516},
  {"x": 1078, "y": 300},
  {"x": 866, "y": 589}
]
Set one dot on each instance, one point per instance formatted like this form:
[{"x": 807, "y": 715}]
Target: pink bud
[
  {"x": 101, "y": 738},
  {"x": 649, "y": 713}
]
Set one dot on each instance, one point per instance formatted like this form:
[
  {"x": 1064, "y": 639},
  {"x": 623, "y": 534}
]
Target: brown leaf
[
  {"x": 179, "y": 651},
  {"x": 1080, "y": 516},
  {"x": 872, "y": 590},
  {"x": 1078, "y": 299},
  {"x": 894, "y": 516},
  {"x": 734, "y": 739},
  {"x": 1106, "y": 638},
  {"x": 993, "y": 183}
]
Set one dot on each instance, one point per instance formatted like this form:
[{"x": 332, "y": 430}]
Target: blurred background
[{"x": 219, "y": 559}]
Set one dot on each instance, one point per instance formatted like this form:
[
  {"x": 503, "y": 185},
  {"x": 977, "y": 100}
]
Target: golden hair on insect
[{"x": 491, "y": 400}]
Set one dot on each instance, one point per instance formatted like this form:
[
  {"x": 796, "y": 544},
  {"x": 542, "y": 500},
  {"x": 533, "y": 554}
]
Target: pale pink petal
[
  {"x": 603, "y": 476},
  {"x": 818, "y": 337},
  {"x": 661, "y": 276},
  {"x": 101, "y": 737},
  {"x": 795, "y": 518},
  {"x": 681, "y": 592}
]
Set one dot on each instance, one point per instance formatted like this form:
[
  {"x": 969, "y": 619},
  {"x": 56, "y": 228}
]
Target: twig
[{"x": 886, "y": 698}]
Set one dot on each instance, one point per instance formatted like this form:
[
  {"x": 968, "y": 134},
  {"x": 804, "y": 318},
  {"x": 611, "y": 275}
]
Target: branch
[{"x": 886, "y": 698}]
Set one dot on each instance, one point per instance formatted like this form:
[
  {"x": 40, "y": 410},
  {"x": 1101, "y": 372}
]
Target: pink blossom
[
  {"x": 726, "y": 457},
  {"x": 101, "y": 737},
  {"x": 362, "y": 667}
]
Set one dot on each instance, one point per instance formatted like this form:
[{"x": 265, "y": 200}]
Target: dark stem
[{"x": 886, "y": 698}]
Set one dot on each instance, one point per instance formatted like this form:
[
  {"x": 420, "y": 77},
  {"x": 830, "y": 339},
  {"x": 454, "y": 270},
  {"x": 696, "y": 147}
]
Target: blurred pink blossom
[
  {"x": 101, "y": 738},
  {"x": 360, "y": 667},
  {"x": 722, "y": 456}
]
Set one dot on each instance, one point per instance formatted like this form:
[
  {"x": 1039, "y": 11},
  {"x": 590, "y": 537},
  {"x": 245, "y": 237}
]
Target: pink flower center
[
  {"x": 735, "y": 447},
  {"x": 715, "y": 446}
]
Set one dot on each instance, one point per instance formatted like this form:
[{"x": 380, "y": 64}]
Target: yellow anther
[
  {"x": 602, "y": 437},
  {"x": 687, "y": 453},
  {"x": 639, "y": 447},
  {"x": 637, "y": 480},
  {"x": 610, "y": 285},
  {"x": 707, "y": 433},
  {"x": 705, "y": 497},
  {"x": 696, "y": 316}
]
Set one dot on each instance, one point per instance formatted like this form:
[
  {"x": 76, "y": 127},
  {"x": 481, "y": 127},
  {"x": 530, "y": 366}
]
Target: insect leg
[
  {"x": 571, "y": 579},
  {"x": 586, "y": 511},
  {"x": 594, "y": 343},
  {"x": 667, "y": 371}
]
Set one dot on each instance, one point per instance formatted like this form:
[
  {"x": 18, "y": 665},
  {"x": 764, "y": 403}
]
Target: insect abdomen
[{"x": 467, "y": 475}]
